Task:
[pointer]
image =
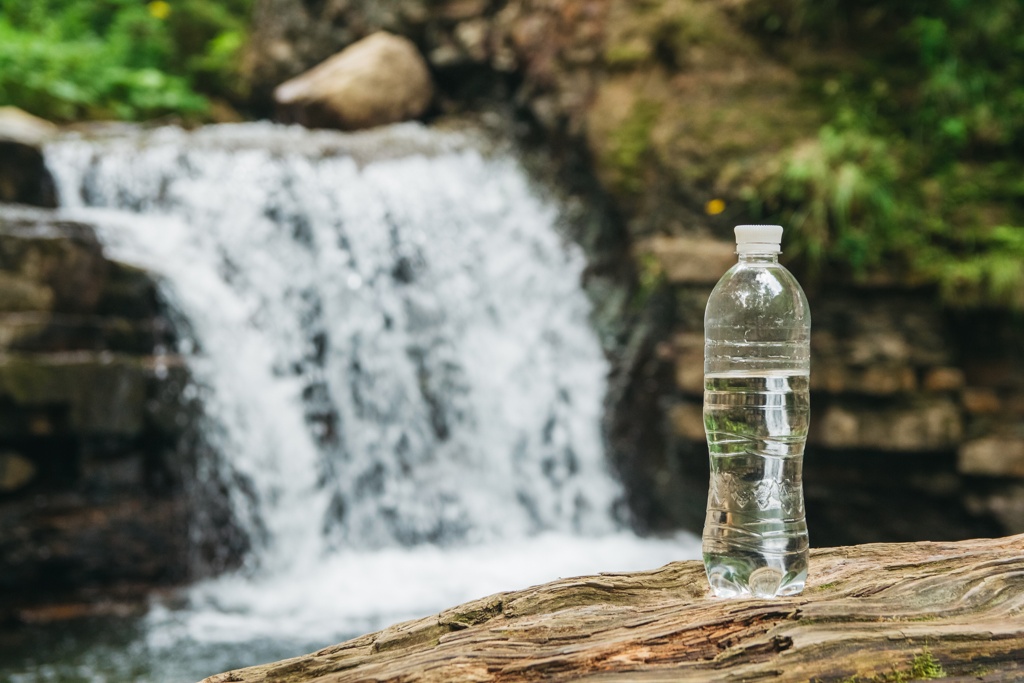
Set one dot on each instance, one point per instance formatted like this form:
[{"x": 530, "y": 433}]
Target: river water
[{"x": 392, "y": 347}]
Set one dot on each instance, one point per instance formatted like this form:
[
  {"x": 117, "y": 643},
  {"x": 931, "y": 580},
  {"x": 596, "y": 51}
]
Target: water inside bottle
[{"x": 755, "y": 535}]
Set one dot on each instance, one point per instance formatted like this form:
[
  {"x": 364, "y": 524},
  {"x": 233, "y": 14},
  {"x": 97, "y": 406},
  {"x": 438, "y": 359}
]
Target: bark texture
[{"x": 880, "y": 612}]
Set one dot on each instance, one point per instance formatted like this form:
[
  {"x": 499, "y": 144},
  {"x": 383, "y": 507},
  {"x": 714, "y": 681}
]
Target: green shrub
[
  {"x": 918, "y": 171},
  {"x": 75, "y": 59}
]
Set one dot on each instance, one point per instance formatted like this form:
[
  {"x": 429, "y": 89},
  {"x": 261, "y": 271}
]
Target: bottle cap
[{"x": 758, "y": 239}]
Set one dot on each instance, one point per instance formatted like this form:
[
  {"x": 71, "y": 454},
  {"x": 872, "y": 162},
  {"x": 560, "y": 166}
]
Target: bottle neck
[{"x": 762, "y": 258}]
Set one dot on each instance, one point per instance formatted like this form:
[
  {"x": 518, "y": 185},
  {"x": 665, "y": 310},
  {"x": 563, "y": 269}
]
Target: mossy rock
[
  {"x": 103, "y": 393},
  {"x": 47, "y": 263},
  {"x": 691, "y": 107}
]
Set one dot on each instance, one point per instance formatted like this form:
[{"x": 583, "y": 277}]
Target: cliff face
[
  {"x": 679, "y": 109},
  {"x": 93, "y": 449}
]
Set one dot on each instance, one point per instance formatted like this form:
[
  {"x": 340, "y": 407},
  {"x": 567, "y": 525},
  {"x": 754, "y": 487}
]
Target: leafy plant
[
  {"x": 917, "y": 172},
  {"x": 124, "y": 59},
  {"x": 924, "y": 667},
  {"x": 837, "y": 192}
]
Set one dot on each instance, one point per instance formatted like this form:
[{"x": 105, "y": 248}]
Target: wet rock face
[
  {"x": 24, "y": 178},
  {"x": 93, "y": 448}
]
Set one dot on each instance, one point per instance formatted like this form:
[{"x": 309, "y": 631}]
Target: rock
[
  {"x": 992, "y": 456},
  {"x": 551, "y": 49},
  {"x": 690, "y": 260},
  {"x": 944, "y": 379},
  {"x": 879, "y": 612},
  {"x": 47, "y": 263},
  {"x": 15, "y": 472},
  {"x": 379, "y": 80},
  {"x": 884, "y": 379},
  {"x": 103, "y": 394},
  {"x": 95, "y": 437},
  {"x": 18, "y": 125},
  {"x": 979, "y": 400},
  {"x": 461, "y": 9},
  {"x": 67, "y": 541},
  {"x": 1006, "y": 504},
  {"x": 472, "y": 36},
  {"x": 38, "y": 331},
  {"x": 888, "y": 329},
  {"x": 689, "y": 362},
  {"x": 24, "y": 178},
  {"x": 288, "y": 37},
  {"x": 920, "y": 425},
  {"x": 688, "y": 420},
  {"x": 658, "y": 497},
  {"x": 21, "y": 294}
]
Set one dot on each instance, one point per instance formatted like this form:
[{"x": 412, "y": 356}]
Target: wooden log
[{"x": 880, "y": 612}]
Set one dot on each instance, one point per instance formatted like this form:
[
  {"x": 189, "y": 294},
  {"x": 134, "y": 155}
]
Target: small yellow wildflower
[
  {"x": 159, "y": 9},
  {"x": 714, "y": 207}
]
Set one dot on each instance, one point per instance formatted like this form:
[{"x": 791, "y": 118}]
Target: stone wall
[
  {"x": 93, "y": 454},
  {"x": 917, "y": 422}
]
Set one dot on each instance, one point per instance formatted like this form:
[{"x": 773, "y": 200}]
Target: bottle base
[{"x": 730, "y": 578}]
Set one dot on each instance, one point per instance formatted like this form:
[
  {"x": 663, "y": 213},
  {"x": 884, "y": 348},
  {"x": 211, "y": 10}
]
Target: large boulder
[
  {"x": 378, "y": 80},
  {"x": 24, "y": 178}
]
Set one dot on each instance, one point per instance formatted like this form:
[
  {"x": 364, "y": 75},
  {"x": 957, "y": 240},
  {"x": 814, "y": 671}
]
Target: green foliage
[
  {"x": 837, "y": 193},
  {"x": 918, "y": 170},
  {"x": 126, "y": 59},
  {"x": 629, "y": 145},
  {"x": 650, "y": 278},
  {"x": 924, "y": 667}
]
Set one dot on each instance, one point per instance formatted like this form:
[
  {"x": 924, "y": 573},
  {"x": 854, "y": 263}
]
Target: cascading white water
[{"x": 394, "y": 357}]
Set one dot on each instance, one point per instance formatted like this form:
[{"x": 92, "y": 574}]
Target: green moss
[
  {"x": 626, "y": 55},
  {"x": 629, "y": 146},
  {"x": 924, "y": 667},
  {"x": 650, "y": 277}
]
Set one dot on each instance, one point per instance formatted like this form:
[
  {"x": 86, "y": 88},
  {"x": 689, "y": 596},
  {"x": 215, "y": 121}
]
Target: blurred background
[{"x": 286, "y": 356}]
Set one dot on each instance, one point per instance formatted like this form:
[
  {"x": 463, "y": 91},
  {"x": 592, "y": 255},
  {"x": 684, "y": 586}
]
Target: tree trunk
[{"x": 881, "y": 612}]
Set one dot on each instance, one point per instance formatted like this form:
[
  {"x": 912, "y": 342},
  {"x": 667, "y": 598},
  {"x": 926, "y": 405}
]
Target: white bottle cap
[{"x": 758, "y": 239}]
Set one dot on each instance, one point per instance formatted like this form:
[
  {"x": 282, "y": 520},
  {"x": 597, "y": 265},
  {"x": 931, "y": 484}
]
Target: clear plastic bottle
[{"x": 757, "y": 329}]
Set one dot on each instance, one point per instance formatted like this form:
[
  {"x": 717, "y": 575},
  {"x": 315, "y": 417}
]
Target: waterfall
[{"x": 392, "y": 350}]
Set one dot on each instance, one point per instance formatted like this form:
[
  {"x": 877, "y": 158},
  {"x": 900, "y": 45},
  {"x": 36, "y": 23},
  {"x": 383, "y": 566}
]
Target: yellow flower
[
  {"x": 158, "y": 9},
  {"x": 714, "y": 207}
]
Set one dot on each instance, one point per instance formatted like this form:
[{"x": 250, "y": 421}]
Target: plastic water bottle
[{"x": 757, "y": 329}]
